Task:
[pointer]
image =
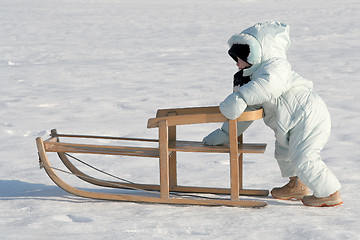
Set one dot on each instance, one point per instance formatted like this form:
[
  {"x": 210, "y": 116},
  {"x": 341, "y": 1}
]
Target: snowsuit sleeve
[{"x": 268, "y": 83}]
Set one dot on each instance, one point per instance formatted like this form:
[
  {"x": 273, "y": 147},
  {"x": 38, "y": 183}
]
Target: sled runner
[{"x": 166, "y": 148}]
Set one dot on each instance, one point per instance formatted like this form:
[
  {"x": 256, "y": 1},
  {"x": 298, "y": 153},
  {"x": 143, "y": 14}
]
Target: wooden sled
[{"x": 166, "y": 121}]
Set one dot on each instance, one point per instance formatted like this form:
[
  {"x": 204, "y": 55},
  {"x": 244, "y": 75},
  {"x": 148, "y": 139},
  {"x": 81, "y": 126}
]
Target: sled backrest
[{"x": 183, "y": 116}]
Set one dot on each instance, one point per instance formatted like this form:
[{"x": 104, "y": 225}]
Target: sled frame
[{"x": 166, "y": 121}]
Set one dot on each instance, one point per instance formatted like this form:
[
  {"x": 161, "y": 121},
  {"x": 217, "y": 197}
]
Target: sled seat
[{"x": 174, "y": 146}]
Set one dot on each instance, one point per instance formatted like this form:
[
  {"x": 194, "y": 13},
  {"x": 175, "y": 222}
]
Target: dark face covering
[{"x": 240, "y": 80}]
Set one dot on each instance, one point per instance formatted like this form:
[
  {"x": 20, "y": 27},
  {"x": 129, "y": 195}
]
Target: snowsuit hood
[{"x": 266, "y": 40}]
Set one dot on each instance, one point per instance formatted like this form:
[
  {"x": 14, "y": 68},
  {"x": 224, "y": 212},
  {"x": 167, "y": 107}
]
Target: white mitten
[
  {"x": 217, "y": 137},
  {"x": 233, "y": 106},
  {"x": 221, "y": 135}
]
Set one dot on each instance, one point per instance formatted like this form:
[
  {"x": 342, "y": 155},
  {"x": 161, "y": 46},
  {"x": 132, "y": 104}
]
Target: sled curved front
[{"x": 165, "y": 120}]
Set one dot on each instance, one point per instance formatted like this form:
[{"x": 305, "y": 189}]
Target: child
[{"x": 297, "y": 115}]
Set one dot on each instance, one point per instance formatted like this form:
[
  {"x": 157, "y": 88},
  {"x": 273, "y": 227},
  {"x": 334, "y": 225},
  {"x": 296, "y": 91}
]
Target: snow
[{"x": 104, "y": 67}]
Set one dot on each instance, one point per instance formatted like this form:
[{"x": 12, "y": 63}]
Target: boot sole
[
  {"x": 295, "y": 197},
  {"x": 326, "y": 204}
]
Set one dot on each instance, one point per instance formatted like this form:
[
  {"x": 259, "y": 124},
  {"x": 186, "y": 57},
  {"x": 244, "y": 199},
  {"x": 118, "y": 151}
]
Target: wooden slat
[
  {"x": 241, "y": 158},
  {"x": 202, "y": 118},
  {"x": 188, "y": 111},
  {"x": 191, "y": 146},
  {"x": 172, "y": 157},
  {"x": 101, "y": 149},
  {"x": 106, "y": 137},
  {"x": 164, "y": 159},
  {"x": 181, "y": 146},
  {"x": 187, "y": 119},
  {"x": 234, "y": 161}
]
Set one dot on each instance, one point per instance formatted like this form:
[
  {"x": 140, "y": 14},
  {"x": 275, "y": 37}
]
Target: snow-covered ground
[{"x": 104, "y": 67}]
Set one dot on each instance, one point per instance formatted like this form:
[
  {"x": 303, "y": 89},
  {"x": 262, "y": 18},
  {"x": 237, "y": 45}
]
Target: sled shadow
[{"x": 16, "y": 189}]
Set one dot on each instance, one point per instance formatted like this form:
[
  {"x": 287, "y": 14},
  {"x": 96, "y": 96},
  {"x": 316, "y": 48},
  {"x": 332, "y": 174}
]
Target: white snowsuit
[{"x": 298, "y": 116}]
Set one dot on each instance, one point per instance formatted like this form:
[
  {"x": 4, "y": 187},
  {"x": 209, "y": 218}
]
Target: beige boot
[
  {"x": 330, "y": 201},
  {"x": 294, "y": 189}
]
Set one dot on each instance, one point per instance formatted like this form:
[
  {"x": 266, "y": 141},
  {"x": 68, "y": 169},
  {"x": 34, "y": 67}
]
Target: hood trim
[{"x": 255, "y": 48}]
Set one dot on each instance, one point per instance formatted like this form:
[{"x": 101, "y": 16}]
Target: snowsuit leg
[
  {"x": 306, "y": 140},
  {"x": 283, "y": 158}
]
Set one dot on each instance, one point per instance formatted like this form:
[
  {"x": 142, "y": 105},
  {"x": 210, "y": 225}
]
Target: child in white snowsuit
[{"x": 296, "y": 114}]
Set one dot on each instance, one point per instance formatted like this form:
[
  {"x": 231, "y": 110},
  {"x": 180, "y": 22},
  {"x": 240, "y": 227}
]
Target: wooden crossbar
[
  {"x": 180, "y": 146},
  {"x": 55, "y": 134},
  {"x": 188, "y": 111},
  {"x": 101, "y": 149},
  {"x": 191, "y": 146},
  {"x": 198, "y": 115}
]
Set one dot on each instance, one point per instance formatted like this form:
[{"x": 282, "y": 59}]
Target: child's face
[{"x": 242, "y": 64}]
